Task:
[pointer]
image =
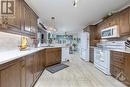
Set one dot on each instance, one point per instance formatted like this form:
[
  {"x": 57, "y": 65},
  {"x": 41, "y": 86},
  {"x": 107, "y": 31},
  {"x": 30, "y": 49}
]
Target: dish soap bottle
[{"x": 23, "y": 43}]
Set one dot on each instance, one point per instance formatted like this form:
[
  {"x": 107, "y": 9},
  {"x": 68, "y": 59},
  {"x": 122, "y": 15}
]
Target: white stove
[{"x": 102, "y": 54}]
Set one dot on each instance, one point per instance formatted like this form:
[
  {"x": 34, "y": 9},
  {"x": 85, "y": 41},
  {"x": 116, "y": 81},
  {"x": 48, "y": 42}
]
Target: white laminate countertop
[
  {"x": 15, "y": 54},
  {"x": 118, "y": 50},
  {"x": 92, "y": 46},
  {"x": 125, "y": 51}
]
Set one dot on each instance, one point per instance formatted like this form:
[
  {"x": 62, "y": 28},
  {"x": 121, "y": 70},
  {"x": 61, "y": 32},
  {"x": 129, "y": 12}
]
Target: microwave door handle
[{"x": 112, "y": 31}]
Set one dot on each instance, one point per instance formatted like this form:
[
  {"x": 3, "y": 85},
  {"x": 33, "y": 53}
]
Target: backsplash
[{"x": 9, "y": 41}]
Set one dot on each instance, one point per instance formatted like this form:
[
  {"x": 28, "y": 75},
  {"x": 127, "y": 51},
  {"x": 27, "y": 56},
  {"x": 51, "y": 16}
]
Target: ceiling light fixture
[
  {"x": 52, "y": 27},
  {"x": 75, "y": 3}
]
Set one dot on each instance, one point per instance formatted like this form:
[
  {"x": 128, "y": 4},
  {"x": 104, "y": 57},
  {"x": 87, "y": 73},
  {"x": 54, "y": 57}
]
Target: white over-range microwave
[{"x": 110, "y": 32}]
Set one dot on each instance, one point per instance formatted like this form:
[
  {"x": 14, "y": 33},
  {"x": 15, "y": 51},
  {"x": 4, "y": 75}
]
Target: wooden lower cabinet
[
  {"x": 29, "y": 70},
  {"x": 127, "y": 68},
  {"x": 38, "y": 63},
  {"x": 35, "y": 66},
  {"x": 53, "y": 56},
  {"x": 120, "y": 64},
  {"x": 25, "y": 71},
  {"x": 10, "y": 76},
  {"x": 91, "y": 55}
]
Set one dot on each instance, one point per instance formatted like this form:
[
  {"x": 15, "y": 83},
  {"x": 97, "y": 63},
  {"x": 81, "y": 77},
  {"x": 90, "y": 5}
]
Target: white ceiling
[{"x": 71, "y": 19}]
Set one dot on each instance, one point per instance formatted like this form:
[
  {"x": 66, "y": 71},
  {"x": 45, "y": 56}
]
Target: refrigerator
[{"x": 84, "y": 46}]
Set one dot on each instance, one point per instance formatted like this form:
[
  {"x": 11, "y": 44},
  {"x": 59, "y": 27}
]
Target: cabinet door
[
  {"x": 127, "y": 66},
  {"x": 35, "y": 65},
  {"x": 10, "y": 77},
  {"x": 23, "y": 73},
  {"x": 43, "y": 58},
  {"x": 49, "y": 58},
  {"x": 58, "y": 57},
  {"x": 98, "y": 34},
  {"x": 53, "y": 56},
  {"x": 117, "y": 63},
  {"x": 39, "y": 66},
  {"x": 92, "y": 55},
  {"x": 29, "y": 70},
  {"x": 15, "y": 21},
  {"x": 124, "y": 23},
  {"x": 27, "y": 19},
  {"x": 113, "y": 20},
  {"x": 33, "y": 20}
]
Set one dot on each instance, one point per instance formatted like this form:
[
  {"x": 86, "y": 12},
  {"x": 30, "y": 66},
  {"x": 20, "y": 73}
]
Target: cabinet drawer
[
  {"x": 118, "y": 64},
  {"x": 117, "y": 54},
  {"x": 118, "y": 59}
]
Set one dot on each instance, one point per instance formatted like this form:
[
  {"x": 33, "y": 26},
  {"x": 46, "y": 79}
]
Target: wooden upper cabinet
[
  {"x": 124, "y": 22},
  {"x": 23, "y": 21},
  {"x": 113, "y": 20},
  {"x": 15, "y": 21},
  {"x": 27, "y": 22},
  {"x": 99, "y": 28},
  {"x": 30, "y": 20},
  {"x": 91, "y": 29},
  {"x": 33, "y": 21}
]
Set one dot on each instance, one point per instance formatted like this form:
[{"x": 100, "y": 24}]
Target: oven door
[
  {"x": 97, "y": 56},
  {"x": 104, "y": 61}
]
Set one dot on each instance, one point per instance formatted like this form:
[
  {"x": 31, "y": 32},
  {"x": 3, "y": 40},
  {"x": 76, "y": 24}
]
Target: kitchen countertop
[
  {"x": 92, "y": 46},
  {"x": 119, "y": 50},
  {"x": 15, "y": 54},
  {"x": 125, "y": 51}
]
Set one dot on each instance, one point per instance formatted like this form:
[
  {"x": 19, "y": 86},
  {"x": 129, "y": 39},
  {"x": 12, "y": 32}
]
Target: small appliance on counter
[
  {"x": 127, "y": 43},
  {"x": 24, "y": 43}
]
